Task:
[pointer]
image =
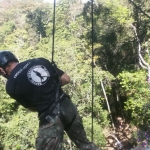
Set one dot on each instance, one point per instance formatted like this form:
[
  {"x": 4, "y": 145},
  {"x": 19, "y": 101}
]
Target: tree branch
[{"x": 142, "y": 62}]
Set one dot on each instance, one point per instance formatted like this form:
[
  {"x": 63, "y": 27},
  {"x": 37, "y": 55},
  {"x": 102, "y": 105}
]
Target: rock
[
  {"x": 110, "y": 141},
  {"x": 139, "y": 147}
]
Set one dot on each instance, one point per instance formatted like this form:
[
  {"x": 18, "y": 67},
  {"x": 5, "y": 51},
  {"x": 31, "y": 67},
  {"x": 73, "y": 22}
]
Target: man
[{"x": 36, "y": 85}]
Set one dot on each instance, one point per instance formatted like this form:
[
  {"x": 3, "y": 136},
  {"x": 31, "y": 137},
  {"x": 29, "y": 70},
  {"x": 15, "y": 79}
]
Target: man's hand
[{"x": 65, "y": 79}]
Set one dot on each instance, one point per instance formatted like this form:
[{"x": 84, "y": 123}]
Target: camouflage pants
[{"x": 50, "y": 136}]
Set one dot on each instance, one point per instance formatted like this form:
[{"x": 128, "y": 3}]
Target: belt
[{"x": 49, "y": 118}]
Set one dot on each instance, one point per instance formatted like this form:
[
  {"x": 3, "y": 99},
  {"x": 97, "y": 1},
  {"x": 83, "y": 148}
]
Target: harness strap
[
  {"x": 57, "y": 81},
  {"x": 54, "y": 109},
  {"x": 51, "y": 109},
  {"x": 67, "y": 126}
]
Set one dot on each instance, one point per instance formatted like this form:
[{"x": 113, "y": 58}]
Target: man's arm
[{"x": 65, "y": 79}]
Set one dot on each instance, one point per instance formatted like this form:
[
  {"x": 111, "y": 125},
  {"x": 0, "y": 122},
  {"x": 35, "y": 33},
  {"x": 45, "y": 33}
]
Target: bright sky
[{"x": 51, "y": 1}]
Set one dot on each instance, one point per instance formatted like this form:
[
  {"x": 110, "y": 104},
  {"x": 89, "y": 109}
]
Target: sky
[{"x": 51, "y": 1}]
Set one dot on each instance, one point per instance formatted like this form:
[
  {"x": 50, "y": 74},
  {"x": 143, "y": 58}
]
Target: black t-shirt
[{"x": 31, "y": 83}]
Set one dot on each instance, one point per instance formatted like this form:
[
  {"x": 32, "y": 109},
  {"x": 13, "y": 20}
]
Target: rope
[
  {"x": 92, "y": 67},
  {"x": 53, "y": 31}
]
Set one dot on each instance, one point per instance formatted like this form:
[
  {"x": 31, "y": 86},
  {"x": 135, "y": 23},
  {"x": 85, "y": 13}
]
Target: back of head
[{"x": 5, "y": 57}]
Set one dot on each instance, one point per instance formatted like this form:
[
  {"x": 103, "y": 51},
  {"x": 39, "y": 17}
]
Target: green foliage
[
  {"x": 20, "y": 131},
  {"x": 136, "y": 89},
  {"x": 7, "y": 105},
  {"x": 26, "y": 29},
  {"x": 6, "y": 29},
  {"x": 32, "y": 38},
  {"x": 98, "y": 136}
]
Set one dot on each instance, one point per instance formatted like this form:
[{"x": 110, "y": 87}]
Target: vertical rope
[
  {"x": 53, "y": 31},
  {"x": 92, "y": 132}
]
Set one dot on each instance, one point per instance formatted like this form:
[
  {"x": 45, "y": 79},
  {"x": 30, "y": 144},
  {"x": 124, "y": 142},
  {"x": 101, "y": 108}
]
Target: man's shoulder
[
  {"x": 33, "y": 61},
  {"x": 40, "y": 59}
]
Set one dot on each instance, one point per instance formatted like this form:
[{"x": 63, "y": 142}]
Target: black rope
[
  {"x": 53, "y": 31},
  {"x": 137, "y": 7},
  {"x": 92, "y": 65}
]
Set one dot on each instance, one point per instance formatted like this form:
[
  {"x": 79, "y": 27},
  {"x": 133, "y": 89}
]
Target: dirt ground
[{"x": 122, "y": 138}]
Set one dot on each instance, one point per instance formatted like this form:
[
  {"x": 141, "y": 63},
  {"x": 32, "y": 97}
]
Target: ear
[{"x": 2, "y": 72}]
